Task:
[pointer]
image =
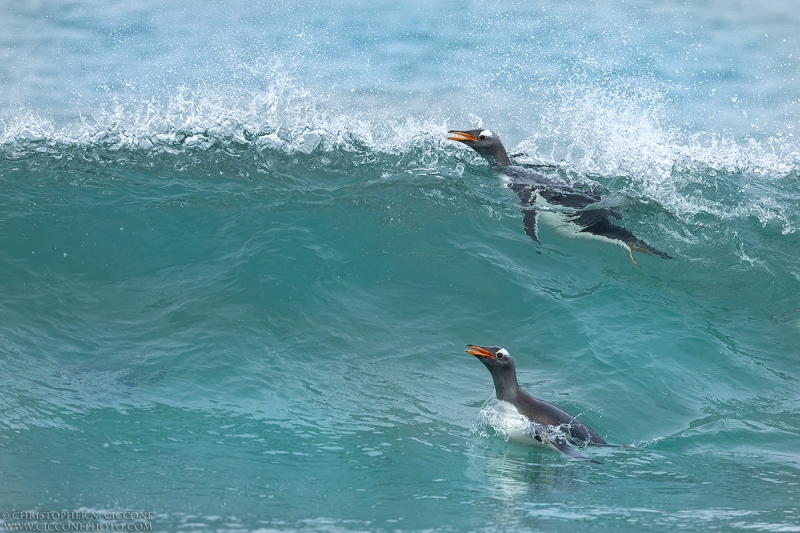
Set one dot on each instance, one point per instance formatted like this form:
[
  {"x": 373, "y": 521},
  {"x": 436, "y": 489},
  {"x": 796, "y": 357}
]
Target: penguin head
[
  {"x": 495, "y": 358},
  {"x": 501, "y": 366},
  {"x": 485, "y": 142}
]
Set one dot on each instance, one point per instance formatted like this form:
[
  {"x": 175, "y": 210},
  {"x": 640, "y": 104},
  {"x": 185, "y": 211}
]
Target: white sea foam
[
  {"x": 620, "y": 133},
  {"x": 626, "y": 133},
  {"x": 282, "y": 115}
]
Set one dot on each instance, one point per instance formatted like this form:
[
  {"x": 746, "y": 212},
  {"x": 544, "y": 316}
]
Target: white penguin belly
[
  {"x": 510, "y": 424},
  {"x": 556, "y": 218}
]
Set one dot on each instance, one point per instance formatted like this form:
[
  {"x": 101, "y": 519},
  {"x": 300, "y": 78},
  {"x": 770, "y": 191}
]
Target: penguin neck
[
  {"x": 504, "y": 160},
  {"x": 499, "y": 160},
  {"x": 506, "y": 387},
  {"x": 496, "y": 155}
]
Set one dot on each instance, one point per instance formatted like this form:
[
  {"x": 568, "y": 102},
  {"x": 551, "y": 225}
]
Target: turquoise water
[{"x": 241, "y": 263}]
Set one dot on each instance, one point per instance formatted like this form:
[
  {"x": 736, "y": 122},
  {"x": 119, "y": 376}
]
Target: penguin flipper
[
  {"x": 560, "y": 443},
  {"x": 529, "y": 221},
  {"x": 527, "y": 198}
]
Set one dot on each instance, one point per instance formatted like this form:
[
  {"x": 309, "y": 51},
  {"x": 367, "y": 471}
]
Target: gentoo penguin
[
  {"x": 571, "y": 212},
  {"x": 548, "y": 424}
]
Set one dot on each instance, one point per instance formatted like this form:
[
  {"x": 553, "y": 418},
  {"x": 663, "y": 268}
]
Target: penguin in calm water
[
  {"x": 549, "y": 425},
  {"x": 570, "y": 212}
]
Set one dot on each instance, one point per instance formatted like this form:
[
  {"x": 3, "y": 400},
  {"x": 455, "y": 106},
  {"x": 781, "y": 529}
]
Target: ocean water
[{"x": 241, "y": 262}]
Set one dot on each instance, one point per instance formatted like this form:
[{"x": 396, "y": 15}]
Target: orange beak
[
  {"x": 461, "y": 136},
  {"x": 477, "y": 351}
]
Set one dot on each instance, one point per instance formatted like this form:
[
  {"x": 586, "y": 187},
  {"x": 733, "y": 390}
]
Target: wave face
[{"x": 241, "y": 262}]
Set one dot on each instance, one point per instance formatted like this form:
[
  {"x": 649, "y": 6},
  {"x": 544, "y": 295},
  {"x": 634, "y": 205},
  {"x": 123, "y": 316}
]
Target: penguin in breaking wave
[
  {"x": 571, "y": 212},
  {"x": 546, "y": 423}
]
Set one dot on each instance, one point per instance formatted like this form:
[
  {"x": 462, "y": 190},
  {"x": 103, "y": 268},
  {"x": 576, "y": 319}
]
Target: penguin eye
[
  {"x": 499, "y": 355},
  {"x": 481, "y": 137}
]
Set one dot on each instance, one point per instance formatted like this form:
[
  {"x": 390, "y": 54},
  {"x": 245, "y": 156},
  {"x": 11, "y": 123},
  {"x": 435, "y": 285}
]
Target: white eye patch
[
  {"x": 486, "y": 134},
  {"x": 502, "y": 350}
]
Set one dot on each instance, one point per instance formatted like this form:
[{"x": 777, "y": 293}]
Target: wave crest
[
  {"x": 282, "y": 117},
  {"x": 618, "y": 136},
  {"x": 621, "y": 136}
]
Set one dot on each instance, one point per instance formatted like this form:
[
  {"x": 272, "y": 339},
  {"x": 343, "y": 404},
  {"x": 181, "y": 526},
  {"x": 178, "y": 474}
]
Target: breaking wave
[{"x": 620, "y": 137}]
